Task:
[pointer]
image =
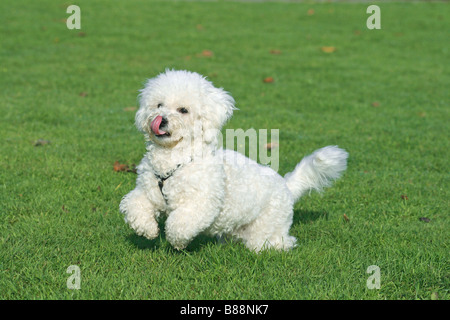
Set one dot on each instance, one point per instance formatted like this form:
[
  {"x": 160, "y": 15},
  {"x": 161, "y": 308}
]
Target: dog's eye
[
  {"x": 182, "y": 110},
  {"x": 159, "y": 105}
]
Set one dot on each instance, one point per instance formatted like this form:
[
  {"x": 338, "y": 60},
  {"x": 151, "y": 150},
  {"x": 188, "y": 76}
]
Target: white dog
[{"x": 203, "y": 189}]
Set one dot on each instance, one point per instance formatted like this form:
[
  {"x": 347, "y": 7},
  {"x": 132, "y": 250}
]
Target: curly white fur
[{"x": 203, "y": 189}]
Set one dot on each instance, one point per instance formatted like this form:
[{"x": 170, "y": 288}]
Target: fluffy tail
[{"x": 317, "y": 171}]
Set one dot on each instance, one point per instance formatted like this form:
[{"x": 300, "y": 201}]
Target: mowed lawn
[{"x": 383, "y": 95}]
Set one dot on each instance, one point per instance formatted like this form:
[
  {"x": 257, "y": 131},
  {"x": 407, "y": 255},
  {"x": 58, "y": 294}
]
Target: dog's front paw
[
  {"x": 150, "y": 233},
  {"x": 148, "y": 229},
  {"x": 178, "y": 231},
  {"x": 177, "y": 241},
  {"x": 139, "y": 214},
  {"x": 179, "y": 247}
]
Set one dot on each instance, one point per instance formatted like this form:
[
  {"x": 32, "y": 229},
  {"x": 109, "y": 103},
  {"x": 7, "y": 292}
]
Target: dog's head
[{"x": 182, "y": 105}]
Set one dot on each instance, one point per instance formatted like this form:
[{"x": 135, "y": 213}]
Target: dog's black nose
[{"x": 164, "y": 122}]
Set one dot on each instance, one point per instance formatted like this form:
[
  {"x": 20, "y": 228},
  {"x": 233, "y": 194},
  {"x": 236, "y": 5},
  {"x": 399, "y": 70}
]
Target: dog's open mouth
[
  {"x": 166, "y": 134},
  {"x": 156, "y": 125}
]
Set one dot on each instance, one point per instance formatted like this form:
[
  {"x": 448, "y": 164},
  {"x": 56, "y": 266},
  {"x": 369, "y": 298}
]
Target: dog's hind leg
[{"x": 270, "y": 229}]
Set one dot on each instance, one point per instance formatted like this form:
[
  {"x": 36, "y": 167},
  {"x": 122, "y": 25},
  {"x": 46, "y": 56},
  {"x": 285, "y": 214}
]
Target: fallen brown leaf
[
  {"x": 347, "y": 219},
  {"x": 271, "y": 145},
  {"x": 275, "y": 51},
  {"x": 310, "y": 12},
  {"x": 375, "y": 104},
  {"x": 404, "y": 197},
  {"x": 83, "y": 94},
  {"x": 41, "y": 142},
  {"x": 268, "y": 80},
  {"x": 328, "y": 49},
  {"x": 207, "y": 53},
  {"x": 120, "y": 167}
]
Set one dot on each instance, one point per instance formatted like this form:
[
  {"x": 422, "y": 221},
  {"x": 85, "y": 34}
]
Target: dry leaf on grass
[
  {"x": 347, "y": 219},
  {"x": 41, "y": 142},
  {"x": 275, "y": 51},
  {"x": 268, "y": 80},
  {"x": 120, "y": 167},
  {"x": 206, "y": 54},
  {"x": 271, "y": 145},
  {"x": 328, "y": 49},
  {"x": 310, "y": 12},
  {"x": 375, "y": 104}
]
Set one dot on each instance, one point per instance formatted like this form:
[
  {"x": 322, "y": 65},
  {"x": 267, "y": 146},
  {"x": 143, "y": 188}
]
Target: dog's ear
[
  {"x": 141, "y": 117},
  {"x": 218, "y": 110}
]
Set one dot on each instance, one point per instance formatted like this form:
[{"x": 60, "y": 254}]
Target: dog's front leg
[
  {"x": 195, "y": 202},
  {"x": 139, "y": 213},
  {"x": 185, "y": 223}
]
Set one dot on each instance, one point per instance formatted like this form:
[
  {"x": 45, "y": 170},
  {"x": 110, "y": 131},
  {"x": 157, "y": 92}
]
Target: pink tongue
[{"x": 155, "y": 126}]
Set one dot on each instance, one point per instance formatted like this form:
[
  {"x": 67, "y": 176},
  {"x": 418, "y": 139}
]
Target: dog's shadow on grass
[
  {"x": 308, "y": 217},
  {"x": 160, "y": 243},
  {"x": 143, "y": 243}
]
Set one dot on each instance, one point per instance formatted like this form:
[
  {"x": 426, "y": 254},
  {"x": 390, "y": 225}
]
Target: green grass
[{"x": 382, "y": 95}]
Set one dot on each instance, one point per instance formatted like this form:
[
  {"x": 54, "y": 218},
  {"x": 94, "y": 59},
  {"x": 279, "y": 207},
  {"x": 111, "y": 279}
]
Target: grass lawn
[{"x": 383, "y": 95}]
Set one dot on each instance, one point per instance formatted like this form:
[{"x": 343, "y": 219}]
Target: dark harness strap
[
  {"x": 161, "y": 179},
  {"x": 161, "y": 182}
]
